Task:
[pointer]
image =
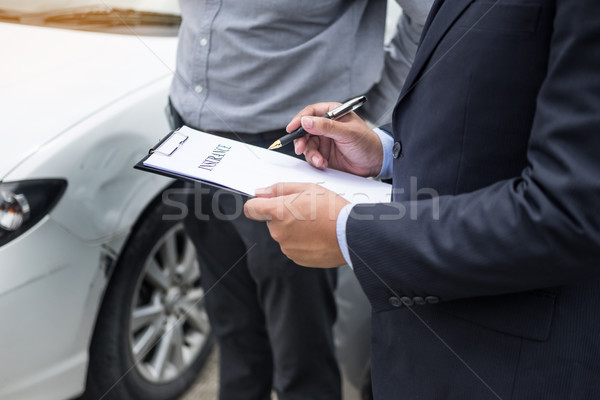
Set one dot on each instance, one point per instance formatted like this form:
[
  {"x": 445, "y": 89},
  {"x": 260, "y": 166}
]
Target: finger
[
  {"x": 280, "y": 189},
  {"x": 300, "y": 144},
  {"x": 259, "y": 209},
  {"x": 313, "y": 152},
  {"x": 317, "y": 109}
]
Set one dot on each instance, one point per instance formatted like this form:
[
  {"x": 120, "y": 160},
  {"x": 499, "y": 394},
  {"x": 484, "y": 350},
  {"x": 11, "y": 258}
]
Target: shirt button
[
  {"x": 432, "y": 299},
  {"x": 397, "y": 150},
  {"x": 394, "y": 301},
  {"x": 203, "y": 42},
  {"x": 198, "y": 89}
]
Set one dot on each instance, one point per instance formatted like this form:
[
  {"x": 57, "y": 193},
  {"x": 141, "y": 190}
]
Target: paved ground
[{"x": 206, "y": 387}]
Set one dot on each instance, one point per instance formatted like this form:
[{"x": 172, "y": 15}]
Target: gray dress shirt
[{"x": 249, "y": 66}]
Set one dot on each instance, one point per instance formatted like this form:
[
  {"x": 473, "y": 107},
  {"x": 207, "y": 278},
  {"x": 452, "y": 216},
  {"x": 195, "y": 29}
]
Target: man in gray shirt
[{"x": 243, "y": 69}]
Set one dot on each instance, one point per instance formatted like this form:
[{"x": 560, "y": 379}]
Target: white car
[{"x": 91, "y": 273}]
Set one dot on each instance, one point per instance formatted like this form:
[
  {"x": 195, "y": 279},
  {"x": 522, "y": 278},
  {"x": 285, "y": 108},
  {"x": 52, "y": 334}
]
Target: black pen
[{"x": 336, "y": 113}]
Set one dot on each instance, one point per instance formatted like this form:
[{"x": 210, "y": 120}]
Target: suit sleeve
[{"x": 537, "y": 230}]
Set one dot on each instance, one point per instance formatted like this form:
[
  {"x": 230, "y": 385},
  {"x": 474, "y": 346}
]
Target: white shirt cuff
[
  {"x": 387, "y": 142},
  {"x": 340, "y": 230}
]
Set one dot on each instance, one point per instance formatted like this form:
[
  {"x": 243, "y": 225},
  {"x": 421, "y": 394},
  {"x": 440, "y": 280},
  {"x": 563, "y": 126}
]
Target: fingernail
[
  {"x": 260, "y": 191},
  {"x": 307, "y": 122},
  {"x": 315, "y": 161}
]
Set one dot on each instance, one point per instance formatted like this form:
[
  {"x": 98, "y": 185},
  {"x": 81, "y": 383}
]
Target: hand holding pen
[
  {"x": 334, "y": 114},
  {"x": 346, "y": 144}
]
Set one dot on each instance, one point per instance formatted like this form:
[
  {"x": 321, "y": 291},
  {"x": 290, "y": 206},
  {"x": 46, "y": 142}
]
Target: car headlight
[{"x": 23, "y": 204}]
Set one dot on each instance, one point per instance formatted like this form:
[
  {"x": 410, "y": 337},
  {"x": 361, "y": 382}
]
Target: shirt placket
[{"x": 201, "y": 49}]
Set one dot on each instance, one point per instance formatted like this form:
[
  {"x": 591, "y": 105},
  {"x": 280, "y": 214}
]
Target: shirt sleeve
[
  {"x": 387, "y": 141},
  {"x": 341, "y": 232}
]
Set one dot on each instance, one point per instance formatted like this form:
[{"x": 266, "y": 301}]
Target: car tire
[{"x": 152, "y": 336}]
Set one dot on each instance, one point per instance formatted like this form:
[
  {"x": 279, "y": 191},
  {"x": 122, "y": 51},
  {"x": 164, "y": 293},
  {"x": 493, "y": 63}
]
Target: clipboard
[
  {"x": 167, "y": 146},
  {"x": 193, "y": 156}
]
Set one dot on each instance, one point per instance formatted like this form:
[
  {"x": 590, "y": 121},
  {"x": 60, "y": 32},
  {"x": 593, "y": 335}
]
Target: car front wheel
[{"x": 152, "y": 336}]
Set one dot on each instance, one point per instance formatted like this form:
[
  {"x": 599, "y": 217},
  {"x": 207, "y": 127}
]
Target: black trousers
[{"x": 272, "y": 318}]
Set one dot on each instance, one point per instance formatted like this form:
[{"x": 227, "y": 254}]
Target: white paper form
[{"x": 242, "y": 167}]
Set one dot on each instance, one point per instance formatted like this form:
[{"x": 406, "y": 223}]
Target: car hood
[{"x": 52, "y": 79}]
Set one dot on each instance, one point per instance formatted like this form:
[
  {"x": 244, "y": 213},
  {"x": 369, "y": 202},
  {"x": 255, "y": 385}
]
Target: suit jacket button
[
  {"x": 397, "y": 150},
  {"x": 432, "y": 299},
  {"x": 419, "y": 301},
  {"x": 395, "y": 301},
  {"x": 407, "y": 301}
]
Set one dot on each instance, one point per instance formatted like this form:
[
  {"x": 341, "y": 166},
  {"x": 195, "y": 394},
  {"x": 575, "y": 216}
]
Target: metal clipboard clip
[{"x": 170, "y": 144}]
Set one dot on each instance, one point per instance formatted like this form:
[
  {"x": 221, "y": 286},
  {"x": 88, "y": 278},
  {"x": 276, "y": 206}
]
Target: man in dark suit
[{"x": 491, "y": 289}]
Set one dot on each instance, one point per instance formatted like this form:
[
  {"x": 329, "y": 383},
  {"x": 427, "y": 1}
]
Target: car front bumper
[{"x": 51, "y": 283}]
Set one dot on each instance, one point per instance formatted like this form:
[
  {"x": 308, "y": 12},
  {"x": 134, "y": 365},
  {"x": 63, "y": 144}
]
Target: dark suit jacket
[{"x": 491, "y": 290}]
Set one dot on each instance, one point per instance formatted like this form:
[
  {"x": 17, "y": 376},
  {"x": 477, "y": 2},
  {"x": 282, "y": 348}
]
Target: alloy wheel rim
[{"x": 168, "y": 326}]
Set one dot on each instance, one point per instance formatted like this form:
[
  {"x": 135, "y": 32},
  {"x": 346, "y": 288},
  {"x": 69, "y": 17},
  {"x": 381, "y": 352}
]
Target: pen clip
[{"x": 347, "y": 107}]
